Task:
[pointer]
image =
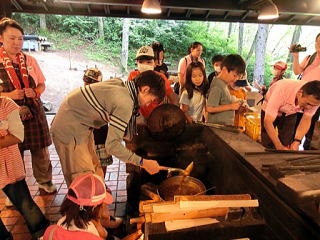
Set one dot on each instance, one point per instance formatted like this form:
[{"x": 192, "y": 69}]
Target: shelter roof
[{"x": 297, "y": 12}]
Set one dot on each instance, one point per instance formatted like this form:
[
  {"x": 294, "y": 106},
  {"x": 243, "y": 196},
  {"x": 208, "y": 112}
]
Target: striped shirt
[
  {"x": 11, "y": 165},
  {"x": 93, "y": 106}
]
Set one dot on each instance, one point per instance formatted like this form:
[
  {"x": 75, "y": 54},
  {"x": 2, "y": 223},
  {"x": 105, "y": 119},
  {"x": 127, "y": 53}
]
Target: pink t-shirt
[
  {"x": 11, "y": 163},
  {"x": 183, "y": 64},
  {"x": 312, "y": 72},
  {"x": 281, "y": 96},
  {"x": 34, "y": 70},
  {"x": 59, "y": 233}
]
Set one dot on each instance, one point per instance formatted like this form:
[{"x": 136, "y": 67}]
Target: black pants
[
  {"x": 285, "y": 125},
  {"x": 20, "y": 196},
  {"x": 309, "y": 134}
]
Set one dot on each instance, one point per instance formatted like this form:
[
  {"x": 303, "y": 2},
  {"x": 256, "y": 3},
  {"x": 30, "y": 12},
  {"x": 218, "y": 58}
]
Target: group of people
[
  {"x": 93, "y": 120},
  {"x": 291, "y": 106}
]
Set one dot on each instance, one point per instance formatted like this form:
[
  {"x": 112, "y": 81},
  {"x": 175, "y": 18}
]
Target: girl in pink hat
[{"x": 81, "y": 211}]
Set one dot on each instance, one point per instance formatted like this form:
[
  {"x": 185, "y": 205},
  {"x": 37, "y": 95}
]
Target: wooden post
[{"x": 5, "y": 8}]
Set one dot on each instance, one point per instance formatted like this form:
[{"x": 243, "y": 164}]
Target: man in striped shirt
[{"x": 112, "y": 102}]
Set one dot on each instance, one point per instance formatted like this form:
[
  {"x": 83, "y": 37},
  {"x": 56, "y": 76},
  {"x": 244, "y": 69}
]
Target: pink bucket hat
[{"x": 90, "y": 190}]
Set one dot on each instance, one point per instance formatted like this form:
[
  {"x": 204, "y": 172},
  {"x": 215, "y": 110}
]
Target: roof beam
[
  {"x": 243, "y": 17},
  {"x": 70, "y": 7},
  {"x": 188, "y": 13},
  {"x": 106, "y": 9},
  {"x": 16, "y": 4},
  {"x": 207, "y": 14},
  {"x": 5, "y": 8},
  {"x": 169, "y": 12},
  {"x": 290, "y": 19},
  {"x": 44, "y": 6},
  {"x": 198, "y": 5},
  {"x": 285, "y": 6},
  {"x": 226, "y": 15},
  {"x": 310, "y": 19}
]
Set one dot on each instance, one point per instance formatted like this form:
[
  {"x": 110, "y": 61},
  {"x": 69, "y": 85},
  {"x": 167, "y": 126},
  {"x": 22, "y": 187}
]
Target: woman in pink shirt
[
  {"x": 308, "y": 70},
  {"x": 195, "y": 51},
  {"x": 23, "y": 82}
]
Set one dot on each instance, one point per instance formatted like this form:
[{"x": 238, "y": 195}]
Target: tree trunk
[
  {"x": 125, "y": 43},
  {"x": 230, "y": 30},
  {"x": 208, "y": 26},
  {"x": 240, "y": 39},
  {"x": 252, "y": 47},
  {"x": 295, "y": 39},
  {"x": 43, "y": 23},
  {"x": 262, "y": 36},
  {"x": 100, "y": 25}
]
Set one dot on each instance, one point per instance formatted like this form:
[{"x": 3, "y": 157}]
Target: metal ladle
[{"x": 184, "y": 172}]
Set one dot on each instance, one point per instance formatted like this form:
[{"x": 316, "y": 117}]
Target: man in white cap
[{"x": 145, "y": 62}]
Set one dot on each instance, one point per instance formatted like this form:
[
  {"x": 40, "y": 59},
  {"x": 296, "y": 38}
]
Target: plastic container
[{"x": 253, "y": 125}]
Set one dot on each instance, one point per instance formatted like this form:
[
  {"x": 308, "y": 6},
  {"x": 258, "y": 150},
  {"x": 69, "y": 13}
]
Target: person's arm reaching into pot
[{"x": 114, "y": 146}]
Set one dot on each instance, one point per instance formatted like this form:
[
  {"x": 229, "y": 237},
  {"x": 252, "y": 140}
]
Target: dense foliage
[{"x": 81, "y": 32}]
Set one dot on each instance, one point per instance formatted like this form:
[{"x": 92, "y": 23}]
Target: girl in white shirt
[{"x": 193, "y": 94}]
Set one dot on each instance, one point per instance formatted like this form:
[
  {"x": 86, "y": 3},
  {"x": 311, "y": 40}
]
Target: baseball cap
[
  {"x": 242, "y": 82},
  {"x": 90, "y": 190},
  {"x": 280, "y": 65},
  {"x": 145, "y": 52},
  {"x": 93, "y": 74}
]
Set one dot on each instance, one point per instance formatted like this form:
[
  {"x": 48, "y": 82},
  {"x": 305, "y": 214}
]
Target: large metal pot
[{"x": 180, "y": 185}]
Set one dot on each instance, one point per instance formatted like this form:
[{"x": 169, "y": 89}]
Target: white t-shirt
[{"x": 196, "y": 104}]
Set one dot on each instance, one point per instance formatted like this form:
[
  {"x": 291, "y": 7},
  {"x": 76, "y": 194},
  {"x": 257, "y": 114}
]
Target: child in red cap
[
  {"x": 81, "y": 211},
  {"x": 278, "y": 71}
]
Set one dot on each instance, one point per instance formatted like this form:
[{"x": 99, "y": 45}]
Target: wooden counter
[
  {"x": 287, "y": 217},
  {"x": 287, "y": 214}
]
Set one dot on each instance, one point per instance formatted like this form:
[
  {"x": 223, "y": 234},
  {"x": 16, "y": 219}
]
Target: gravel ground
[{"x": 61, "y": 78}]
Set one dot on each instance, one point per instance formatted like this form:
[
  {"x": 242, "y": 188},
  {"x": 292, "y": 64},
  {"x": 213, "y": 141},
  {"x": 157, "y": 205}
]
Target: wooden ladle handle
[{"x": 146, "y": 191}]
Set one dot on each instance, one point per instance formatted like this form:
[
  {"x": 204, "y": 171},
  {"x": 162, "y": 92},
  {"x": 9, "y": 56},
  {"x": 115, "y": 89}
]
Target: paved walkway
[{"x": 50, "y": 203}]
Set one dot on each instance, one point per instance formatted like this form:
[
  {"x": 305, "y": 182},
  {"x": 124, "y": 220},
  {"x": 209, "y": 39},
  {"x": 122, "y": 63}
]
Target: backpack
[{"x": 310, "y": 61}]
